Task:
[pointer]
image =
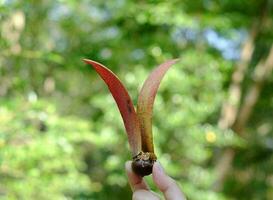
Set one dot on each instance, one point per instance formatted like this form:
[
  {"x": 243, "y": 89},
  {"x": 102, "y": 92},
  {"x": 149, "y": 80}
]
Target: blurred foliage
[{"x": 61, "y": 136}]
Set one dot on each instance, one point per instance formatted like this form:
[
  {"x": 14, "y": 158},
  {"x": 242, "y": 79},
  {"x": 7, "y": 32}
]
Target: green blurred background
[{"x": 61, "y": 135}]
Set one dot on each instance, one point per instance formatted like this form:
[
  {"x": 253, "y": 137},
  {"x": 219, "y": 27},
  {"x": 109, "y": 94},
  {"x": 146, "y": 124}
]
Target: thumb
[{"x": 166, "y": 184}]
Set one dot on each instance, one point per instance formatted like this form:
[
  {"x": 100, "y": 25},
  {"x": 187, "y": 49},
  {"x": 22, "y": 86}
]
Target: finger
[
  {"x": 166, "y": 184},
  {"x": 136, "y": 182},
  {"x": 144, "y": 195}
]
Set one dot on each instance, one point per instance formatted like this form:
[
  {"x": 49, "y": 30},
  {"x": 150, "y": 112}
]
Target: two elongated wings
[
  {"x": 146, "y": 101},
  {"x": 138, "y": 124},
  {"x": 124, "y": 104}
]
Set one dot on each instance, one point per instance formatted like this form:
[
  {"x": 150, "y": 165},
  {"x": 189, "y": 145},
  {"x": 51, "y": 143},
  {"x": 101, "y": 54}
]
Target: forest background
[{"x": 61, "y": 135}]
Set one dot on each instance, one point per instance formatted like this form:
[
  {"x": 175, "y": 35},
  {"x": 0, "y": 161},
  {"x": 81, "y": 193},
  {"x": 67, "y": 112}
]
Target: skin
[{"x": 163, "y": 182}]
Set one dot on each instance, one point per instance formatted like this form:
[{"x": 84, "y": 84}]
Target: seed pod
[
  {"x": 138, "y": 124},
  {"x": 143, "y": 163}
]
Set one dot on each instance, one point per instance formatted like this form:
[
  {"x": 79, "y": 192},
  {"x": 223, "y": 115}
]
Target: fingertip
[
  {"x": 158, "y": 167},
  {"x": 128, "y": 168},
  {"x": 158, "y": 170},
  {"x": 128, "y": 165},
  {"x": 165, "y": 183},
  {"x": 136, "y": 182},
  {"x": 158, "y": 174}
]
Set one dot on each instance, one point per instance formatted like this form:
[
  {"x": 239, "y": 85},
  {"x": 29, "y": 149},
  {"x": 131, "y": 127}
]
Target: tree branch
[{"x": 262, "y": 71}]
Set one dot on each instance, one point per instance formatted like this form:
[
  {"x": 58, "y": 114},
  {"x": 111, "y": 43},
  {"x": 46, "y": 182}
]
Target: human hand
[{"x": 162, "y": 181}]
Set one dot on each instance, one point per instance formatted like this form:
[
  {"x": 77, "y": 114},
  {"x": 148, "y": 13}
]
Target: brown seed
[{"x": 143, "y": 163}]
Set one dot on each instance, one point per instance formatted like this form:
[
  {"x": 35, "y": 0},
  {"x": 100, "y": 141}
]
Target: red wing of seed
[
  {"x": 145, "y": 103},
  {"x": 124, "y": 104}
]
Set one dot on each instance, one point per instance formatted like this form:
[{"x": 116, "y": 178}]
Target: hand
[{"x": 163, "y": 182}]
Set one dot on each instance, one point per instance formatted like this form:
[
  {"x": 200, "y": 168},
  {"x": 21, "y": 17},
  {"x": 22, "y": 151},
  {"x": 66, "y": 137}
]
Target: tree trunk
[{"x": 232, "y": 117}]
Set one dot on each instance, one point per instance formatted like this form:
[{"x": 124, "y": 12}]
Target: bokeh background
[{"x": 61, "y": 135}]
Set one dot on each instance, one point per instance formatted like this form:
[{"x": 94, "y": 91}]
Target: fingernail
[
  {"x": 127, "y": 165},
  {"x": 159, "y": 167}
]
